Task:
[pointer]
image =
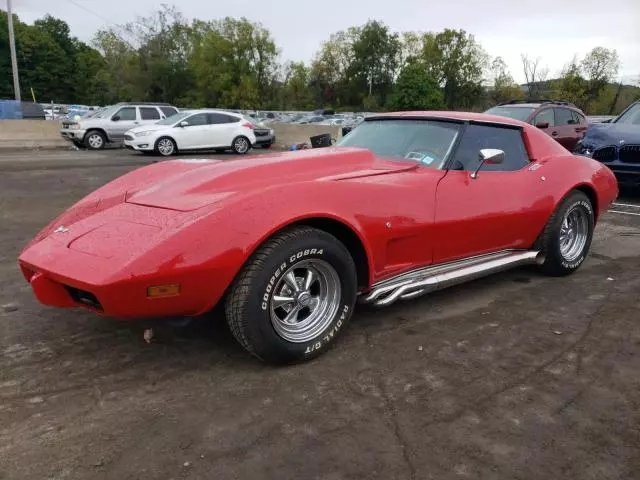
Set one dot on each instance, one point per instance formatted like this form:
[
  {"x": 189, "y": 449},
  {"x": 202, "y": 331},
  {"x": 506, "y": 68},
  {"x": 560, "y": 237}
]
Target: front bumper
[
  {"x": 72, "y": 135},
  {"x": 627, "y": 173},
  {"x": 109, "y": 267},
  {"x": 142, "y": 144}
]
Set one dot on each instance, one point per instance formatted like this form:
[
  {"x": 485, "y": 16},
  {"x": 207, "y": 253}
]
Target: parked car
[
  {"x": 408, "y": 203},
  {"x": 110, "y": 124},
  {"x": 617, "y": 145},
  {"x": 265, "y": 136},
  {"x": 561, "y": 120},
  {"x": 600, "y": 118},
  {"x": 193, "y": 130},
  {"x": 18, "y": 110}
]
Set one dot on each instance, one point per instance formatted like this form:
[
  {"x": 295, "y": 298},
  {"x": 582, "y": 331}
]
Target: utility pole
[{"x": 12, "y": 47}]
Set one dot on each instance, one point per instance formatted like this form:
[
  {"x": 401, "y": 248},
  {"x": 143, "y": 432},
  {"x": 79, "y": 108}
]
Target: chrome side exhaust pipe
[{"x": 420, "y": 282}]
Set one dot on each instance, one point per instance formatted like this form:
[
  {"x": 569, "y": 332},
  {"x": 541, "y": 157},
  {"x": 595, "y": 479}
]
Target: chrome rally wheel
[
  {"x": 574, "y": 233},
  {"x": 305, "y": 300},
  {"x": 294, "y": 296},
  {"x": 566, "y": 238}
]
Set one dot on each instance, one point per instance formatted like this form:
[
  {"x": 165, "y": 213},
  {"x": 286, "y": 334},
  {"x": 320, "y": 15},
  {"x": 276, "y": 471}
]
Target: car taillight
[{"x": 247, "y": 125}]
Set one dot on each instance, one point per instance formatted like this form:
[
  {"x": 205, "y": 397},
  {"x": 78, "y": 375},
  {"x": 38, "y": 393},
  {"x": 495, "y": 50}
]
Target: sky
[{"x": 555, "y": 31}]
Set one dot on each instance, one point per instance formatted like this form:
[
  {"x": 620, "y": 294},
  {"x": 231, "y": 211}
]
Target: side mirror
[
  {"x": 542, "y": 124},
  {"x": 183, "y": 124},
  {"x": 490, "y": 156},
  {"x": 115, "y": 118}
]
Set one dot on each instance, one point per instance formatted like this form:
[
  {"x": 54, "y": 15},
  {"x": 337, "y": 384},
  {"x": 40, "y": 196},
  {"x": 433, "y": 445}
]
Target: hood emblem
[{"x": 61, "y": 229}]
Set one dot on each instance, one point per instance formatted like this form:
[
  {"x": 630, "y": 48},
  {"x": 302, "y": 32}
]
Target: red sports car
[{"x": 407, "y": 203}]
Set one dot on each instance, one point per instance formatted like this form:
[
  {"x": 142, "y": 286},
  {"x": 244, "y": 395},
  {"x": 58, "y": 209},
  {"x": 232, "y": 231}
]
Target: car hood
[
  {"x": 149, "y": 128},
  {"x": 215, "y": 181},
  {"x": 601, "y": 134}
]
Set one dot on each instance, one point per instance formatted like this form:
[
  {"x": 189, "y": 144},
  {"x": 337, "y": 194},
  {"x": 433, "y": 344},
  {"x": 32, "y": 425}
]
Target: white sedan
[{"x": 193, "y": 130}]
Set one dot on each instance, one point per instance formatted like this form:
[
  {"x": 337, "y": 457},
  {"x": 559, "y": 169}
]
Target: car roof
[
  {"x": 519, "y": 105},
  {"x": 213, "y": 110},
  {"x": 455, "y": 116}
]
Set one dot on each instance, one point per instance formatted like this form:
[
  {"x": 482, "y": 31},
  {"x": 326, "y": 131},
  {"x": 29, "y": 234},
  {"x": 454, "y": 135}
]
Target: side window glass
[
  {"x": 477, "y": 137},
  {"x": 563, "y": 116},
  {"x": 545, "y": 116},
  {"x": 126, "y": 113},
  {"x": 220, "y": 118},
  {"x": 149, "y": 113},
  {"x": 168, "y": 111},
  {"x": 577, "y": 118},
  {"x": 197, "y": 120}
]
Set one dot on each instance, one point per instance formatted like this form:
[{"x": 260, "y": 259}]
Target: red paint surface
[{"x": 196, "y": 223}]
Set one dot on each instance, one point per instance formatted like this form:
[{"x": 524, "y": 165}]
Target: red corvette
[{"x": 407, "y": 203}]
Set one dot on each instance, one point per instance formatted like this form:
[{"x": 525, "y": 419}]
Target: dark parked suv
[{"x": 561, "y": 120}]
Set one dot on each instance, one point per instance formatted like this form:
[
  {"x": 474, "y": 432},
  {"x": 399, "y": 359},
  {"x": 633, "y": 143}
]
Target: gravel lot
[{"x": 516, "y": 376}]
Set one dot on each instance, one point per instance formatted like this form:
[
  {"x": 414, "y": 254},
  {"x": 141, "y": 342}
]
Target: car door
[
  {"x": 579, "y": 125},
  {"x": 224, "y": 128},
  {"x": 545, "y": 121},
  {"x": 502, "y": 208},
  {"x": 123, "y": 120},
  {"x": 194, "y": 134},
  {"x": 564, "y": 130},
  {"x": 149, "y": 115}
]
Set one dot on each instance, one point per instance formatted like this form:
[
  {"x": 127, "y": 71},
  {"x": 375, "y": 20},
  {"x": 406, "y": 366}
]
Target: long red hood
[{"x": 213, "y": 181}]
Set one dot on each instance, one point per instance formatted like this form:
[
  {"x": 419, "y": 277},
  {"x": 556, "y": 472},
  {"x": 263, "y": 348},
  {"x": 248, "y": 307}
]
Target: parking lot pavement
[
  {"x": 112, "y": 157},
  {"x": 512, "y": 376}
]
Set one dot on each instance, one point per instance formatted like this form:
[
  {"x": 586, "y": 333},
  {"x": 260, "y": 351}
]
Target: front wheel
[
  {"x": 95, "y": 140},
  {"x": 294, "y": 296},
  {"x": 566, "y": 239},
  {"x": 166, "y": 147}
]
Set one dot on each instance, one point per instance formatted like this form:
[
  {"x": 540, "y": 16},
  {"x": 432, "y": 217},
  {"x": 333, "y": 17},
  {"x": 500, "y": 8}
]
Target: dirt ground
[{"x": 516, "y": 376}]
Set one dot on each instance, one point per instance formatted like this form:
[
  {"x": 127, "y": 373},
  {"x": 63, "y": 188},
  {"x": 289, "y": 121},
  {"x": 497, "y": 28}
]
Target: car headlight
[
  {"x": 74, "y": 126},
  {"x": 142, "y": 134},
  {"x": 271, "y": 131}
]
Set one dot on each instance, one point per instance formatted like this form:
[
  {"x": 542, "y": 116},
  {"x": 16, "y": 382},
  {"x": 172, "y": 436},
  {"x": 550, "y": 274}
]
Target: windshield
[
  {"x": 631, "y": 116},
  {"x": 518, "y": 113},
  {"x": 174, "y": 118},
  {"x": 106, "y": 112},
  {"x": 423, "y": 141}
]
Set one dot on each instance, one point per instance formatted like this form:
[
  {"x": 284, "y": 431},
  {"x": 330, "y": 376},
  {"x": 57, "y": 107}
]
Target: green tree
[
  {"x": 331, "y": 67},
  {"x": 571, "y": 85},
  {"x": 416, "y": 89},
  {"x": 297, "y": 93},
  {"x": 457, "y": 62},
  {"x": 375, "y": 61},
  {"x": 599, "y": 68},
  {"x": 234, "y": 64},
  {"x": 504, "y": 88}
]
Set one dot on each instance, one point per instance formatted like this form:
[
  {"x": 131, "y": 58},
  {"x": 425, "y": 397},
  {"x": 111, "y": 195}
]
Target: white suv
[
  {"x": 194, "y": 130},
  {"x": 109, "y": 125}
]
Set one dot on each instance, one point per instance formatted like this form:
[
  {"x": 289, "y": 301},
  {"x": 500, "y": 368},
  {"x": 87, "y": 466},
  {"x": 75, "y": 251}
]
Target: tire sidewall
[
  {"x": 577, "y": 200},
  {"x": 261, "y": 327},
  {"x": 91, "y": 134},
  {"x": 175, "y": 147},
  {"x": 233, "y": 145}
]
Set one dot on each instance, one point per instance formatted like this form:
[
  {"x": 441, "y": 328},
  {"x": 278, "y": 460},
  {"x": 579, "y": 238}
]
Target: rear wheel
[
  {"x": 566, "y": 239},
  {"x": 95, "y": 140},
  {"x": 294, "y": 296},
  {"x": 241, "y": 145},
  {"x": 165, "y": 146}
]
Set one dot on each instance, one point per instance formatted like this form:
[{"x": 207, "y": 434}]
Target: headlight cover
[{"x": 142, "y": 134}]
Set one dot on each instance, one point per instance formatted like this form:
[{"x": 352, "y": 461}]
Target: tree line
[{"x": 234, "y": 63}]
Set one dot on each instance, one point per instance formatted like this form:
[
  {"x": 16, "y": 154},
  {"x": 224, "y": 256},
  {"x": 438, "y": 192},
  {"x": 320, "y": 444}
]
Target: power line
[{"x": 97, "y": 15}]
